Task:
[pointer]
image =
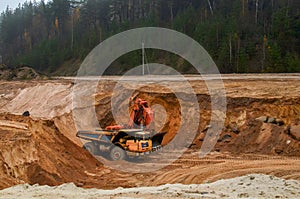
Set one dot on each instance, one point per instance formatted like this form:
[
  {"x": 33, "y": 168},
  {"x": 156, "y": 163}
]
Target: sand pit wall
[
  {"x": 39, "y": 154},
  {"x": 241, "y": 133}
]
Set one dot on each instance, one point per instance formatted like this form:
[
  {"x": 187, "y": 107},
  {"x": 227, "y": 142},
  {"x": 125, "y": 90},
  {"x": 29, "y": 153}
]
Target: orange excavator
[
  {"x": 141, "y": 115},
  {"x": 120, "y": 142}
]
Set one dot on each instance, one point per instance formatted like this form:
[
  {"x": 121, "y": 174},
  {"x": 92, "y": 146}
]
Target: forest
[{"x": 242, "y": 36}]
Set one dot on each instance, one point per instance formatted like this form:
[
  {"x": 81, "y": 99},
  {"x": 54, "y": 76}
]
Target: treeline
[{"x": 240, "y": 35}]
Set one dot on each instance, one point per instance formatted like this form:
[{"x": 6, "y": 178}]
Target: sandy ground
[
  {"x": 48, "y": 99},
  {"x": 43, "y": 149},
  {"x": 249, "y": 186},
  {"x": 43, "y": 99}
]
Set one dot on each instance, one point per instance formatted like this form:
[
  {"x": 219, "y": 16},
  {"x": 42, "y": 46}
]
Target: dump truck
[{"x": 119, "y": 142}]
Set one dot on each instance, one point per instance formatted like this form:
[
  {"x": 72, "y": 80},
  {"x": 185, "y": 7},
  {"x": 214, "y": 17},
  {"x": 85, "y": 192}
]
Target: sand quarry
[{"x": 257, "y": 154}]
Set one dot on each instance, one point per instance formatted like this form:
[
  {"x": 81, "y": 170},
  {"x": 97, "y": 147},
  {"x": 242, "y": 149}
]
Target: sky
[{"x": 13, "y": 4}]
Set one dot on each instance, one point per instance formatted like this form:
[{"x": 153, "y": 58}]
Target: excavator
[
  {"x": 120, "y": 142},
  {"x": 141, "y": 115}
]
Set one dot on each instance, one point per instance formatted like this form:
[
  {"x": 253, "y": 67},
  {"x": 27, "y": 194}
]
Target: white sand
[{"x": 249, "y": 186}]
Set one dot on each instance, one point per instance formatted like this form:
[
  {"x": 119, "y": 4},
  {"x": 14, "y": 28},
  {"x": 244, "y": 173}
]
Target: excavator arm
[{"x": 141, "y": 115}]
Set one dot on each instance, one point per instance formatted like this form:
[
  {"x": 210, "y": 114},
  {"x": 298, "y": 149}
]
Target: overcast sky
[{"x": 12, "y": 4}]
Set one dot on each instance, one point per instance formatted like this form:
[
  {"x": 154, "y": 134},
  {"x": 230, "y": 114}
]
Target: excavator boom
[{"x": 141, "y": 115}]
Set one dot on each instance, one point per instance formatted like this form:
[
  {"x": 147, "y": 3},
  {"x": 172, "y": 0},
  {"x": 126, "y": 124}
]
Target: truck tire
[
  {"x": 117, "y": 153},
  {"x": 90, "y": 147}
]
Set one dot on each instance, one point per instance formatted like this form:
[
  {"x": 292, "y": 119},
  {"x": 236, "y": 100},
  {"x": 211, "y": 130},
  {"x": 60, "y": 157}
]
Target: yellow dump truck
[{"x": 121, "y": 144}]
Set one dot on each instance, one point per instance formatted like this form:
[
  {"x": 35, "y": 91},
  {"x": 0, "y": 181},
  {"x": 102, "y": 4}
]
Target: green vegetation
[{"x": 240, "y": 35}]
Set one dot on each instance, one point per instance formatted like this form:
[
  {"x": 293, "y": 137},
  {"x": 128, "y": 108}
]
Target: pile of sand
[
  {"x": 249, "y": 186},
  {"x": 34, "y": 151},
  {"x": 43, "y": 100}
]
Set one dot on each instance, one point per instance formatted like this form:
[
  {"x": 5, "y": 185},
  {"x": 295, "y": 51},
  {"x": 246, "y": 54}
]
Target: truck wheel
[
  {"x": 90, "y": 147},
  {"x": 117, "y": 153}
]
